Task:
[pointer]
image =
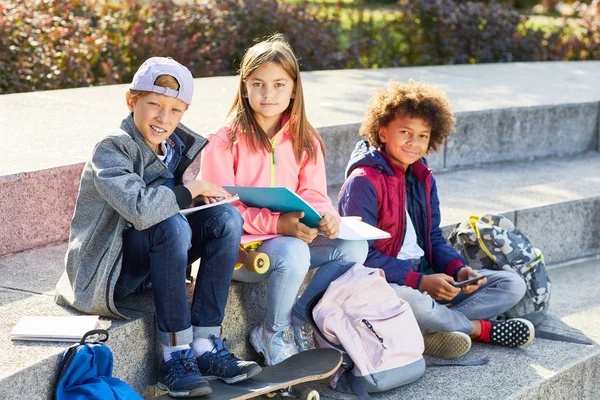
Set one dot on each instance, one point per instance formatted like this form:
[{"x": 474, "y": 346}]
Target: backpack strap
[
  {"x": 455, "y": 363},
  {"x": 542, "y": 334},
  {"x": 95, "y": 336},
  {"x": 69, "y": 354},
  {"x": 360, "y": 391}
]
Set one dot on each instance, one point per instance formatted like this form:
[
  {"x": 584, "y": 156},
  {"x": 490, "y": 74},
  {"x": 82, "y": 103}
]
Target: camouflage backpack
[{"x": 493, "y": 242}]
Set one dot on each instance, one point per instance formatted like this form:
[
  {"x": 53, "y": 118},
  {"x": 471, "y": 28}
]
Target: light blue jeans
[
  {"x": 502, "y": 290},
  {"x": 291, "y": 258}
]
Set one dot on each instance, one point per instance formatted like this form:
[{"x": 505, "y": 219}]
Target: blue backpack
[{"x": 86, "y": 373}]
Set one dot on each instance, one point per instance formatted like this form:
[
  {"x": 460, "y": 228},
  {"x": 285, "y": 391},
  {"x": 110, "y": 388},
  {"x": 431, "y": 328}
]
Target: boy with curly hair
[{"x": 390, "y": 186}]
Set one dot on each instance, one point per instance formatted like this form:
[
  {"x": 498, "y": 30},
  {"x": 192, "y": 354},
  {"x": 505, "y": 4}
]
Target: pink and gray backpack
[{"x": 361, "y": 316}]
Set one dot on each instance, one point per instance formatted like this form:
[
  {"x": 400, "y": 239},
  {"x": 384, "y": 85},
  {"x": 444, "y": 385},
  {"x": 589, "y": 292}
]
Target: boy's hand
[
  {"x": 466, "y": 273},
  {"x": 438, "y": 286},
  {"x": 203, "y": 188},
  {"x": 329, "y": 225},
  {"x": 289, "y": 225},
  {"x": 207, "y": 200}
]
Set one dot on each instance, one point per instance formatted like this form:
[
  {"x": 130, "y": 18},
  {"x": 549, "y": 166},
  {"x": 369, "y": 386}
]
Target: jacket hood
[{"x": 364, "y": 155}]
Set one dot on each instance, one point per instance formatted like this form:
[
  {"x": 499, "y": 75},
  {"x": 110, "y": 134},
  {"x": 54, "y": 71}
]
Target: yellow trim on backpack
[
  {"x": 473, "y": 222},
  {"x": 537, "y": 260}
]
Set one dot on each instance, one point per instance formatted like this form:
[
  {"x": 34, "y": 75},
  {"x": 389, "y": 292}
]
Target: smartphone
[{"x": 468, "y": 281}]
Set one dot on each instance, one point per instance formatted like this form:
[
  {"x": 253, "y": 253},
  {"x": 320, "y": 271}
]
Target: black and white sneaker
[{"x": 512, "y": 333}]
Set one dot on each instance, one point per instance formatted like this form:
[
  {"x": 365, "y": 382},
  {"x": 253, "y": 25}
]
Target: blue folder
[{"x": 278, "y": 199}]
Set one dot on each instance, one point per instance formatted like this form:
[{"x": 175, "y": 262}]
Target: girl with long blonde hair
[{"x": 267, "y": 141}]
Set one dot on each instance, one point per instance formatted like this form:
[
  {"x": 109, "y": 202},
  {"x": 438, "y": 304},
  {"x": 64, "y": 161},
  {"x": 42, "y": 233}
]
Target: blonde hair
[
  {"x": 162, "y": 80},
  {"x": 415, "y": 100},
  {"x": 274, "y": 49}
]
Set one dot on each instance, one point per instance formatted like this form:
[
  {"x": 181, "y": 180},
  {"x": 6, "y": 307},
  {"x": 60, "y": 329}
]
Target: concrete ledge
[
  {"x": 135, "y": 361},
  {"x": 49, "y": 129},
  {"x": 568, "y": 230},
  {"x": 505, "y": 112},
  {"x": 490, "y": 136},
  {"x": 543, "y": 370},
  {"x": 36, "y": 207},
  {"x": 28, "y": 369},
  {"x": 512, "y": 134}
]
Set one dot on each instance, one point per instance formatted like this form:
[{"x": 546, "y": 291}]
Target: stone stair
[{"x": 526, "y": 146}]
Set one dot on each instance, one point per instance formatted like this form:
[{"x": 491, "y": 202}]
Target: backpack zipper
[{"x": 368, "y": 324}]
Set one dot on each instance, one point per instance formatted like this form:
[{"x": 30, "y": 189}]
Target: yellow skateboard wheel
[
  {"x": 257, "y": 262},
  {"x": 310, "y": 394}
]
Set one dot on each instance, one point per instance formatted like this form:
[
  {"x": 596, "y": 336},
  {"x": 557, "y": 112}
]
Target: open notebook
[
  {"x": 281, "y": 199},
  {"x": 59, "y": 329},
  {"x": 190, "y": 210}
]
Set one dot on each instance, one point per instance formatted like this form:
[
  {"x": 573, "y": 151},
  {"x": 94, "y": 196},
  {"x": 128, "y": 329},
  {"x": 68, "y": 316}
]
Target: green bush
[
  {"x": 53, "y": 44},
  {"x": 430, "y": 32}
]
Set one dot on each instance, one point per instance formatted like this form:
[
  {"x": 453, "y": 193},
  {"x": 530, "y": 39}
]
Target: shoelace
[
  {"x": 307, "y": 336},
  {"x": 305, "y": 331},
  {"x": 186, "y": 366},
  {"x": 288, "y": 336},
  {"x": 220, "y": 349}
]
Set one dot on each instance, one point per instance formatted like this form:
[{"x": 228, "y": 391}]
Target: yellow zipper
[{"x": 273, "y": 161}]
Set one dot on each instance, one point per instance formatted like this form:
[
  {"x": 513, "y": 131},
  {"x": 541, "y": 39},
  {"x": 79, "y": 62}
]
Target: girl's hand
[
  {"x": 438, "y": 286},
  {"x": 467, "y": 273},
  {"x": 289, "y": 225},
  {"x": 329, "y": 225},
  {"x": 199, "y": 187}
]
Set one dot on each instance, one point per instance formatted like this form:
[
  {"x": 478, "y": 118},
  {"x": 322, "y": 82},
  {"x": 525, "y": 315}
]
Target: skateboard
[
  {"x": 249, "y": 257},
  {"x": 278, "y": 380}
]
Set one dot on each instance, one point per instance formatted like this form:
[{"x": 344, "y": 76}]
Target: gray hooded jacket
[{"x": 121, "y": 186}]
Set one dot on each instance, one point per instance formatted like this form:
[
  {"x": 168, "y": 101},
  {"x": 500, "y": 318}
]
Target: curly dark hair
[{"x": 414, "y": 100}]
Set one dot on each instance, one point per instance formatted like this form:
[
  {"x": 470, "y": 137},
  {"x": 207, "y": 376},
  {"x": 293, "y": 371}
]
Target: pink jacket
[{"x": 239, "y": 166}]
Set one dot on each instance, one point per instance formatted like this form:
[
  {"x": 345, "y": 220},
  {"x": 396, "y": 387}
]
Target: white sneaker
[{"x": 274, "y": 347}]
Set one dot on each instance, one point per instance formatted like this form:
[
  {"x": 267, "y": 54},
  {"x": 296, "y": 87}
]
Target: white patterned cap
[{"x": 153, "y": 67}]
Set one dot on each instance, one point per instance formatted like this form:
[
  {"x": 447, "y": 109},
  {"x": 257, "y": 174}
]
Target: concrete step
[
  {"x": 506, "y": 112},
  {"x": 544, "y": 370},
  {"x": 63, "y": 125},
  {"x": 563, "y": 220},
  {"x": 520, "y": 150},
  {"x": 549, "y": 199},
  {"x": 27, "y": 369}
]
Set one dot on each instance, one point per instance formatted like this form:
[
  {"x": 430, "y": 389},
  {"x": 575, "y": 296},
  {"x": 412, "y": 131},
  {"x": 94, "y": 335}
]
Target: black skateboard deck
[{"x": 304, "y": 367}]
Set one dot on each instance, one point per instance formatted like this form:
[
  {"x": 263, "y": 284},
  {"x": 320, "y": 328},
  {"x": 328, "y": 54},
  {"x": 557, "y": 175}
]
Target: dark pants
[{"x": 161, "y": 254}]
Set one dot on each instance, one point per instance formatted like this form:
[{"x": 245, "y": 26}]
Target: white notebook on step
[{"x": 52, "y": 328}]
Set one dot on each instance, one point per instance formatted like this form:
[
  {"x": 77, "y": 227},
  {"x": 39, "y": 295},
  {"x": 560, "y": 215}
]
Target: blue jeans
[
  {"x": 161, "y": 254},
  {"x": 291, "y": 258},
  {"x": 502, "y": 290}
]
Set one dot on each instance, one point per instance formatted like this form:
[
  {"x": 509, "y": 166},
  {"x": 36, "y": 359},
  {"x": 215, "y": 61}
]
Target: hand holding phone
[{"x": 468, "y": 281}]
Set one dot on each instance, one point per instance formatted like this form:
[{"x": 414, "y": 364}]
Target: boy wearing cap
[{"x": 127, "y": 233}]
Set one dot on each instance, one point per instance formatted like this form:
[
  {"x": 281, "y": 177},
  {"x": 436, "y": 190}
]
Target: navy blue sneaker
[
  {"x": 180, "y": 376},
  {"x": 221, "y": 364}
]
